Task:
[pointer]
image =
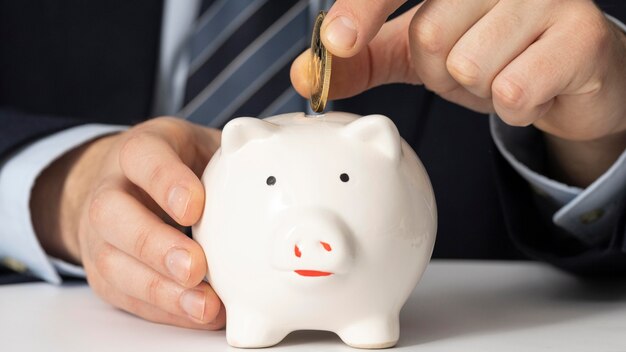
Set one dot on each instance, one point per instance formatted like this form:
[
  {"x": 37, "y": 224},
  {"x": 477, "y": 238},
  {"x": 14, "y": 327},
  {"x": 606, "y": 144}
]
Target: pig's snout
[{"x": 312, "y": 243}]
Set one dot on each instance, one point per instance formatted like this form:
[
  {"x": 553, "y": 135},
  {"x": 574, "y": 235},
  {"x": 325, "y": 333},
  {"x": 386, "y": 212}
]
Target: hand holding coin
[
  {"x": 556, "y": 65},
  {"x": 527, "y": 61}
]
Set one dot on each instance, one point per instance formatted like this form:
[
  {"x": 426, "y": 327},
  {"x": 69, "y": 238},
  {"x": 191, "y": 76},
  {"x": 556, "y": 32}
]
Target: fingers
[
  {"x": 351, "y": 24},
  {"x": 433, "y": 32},
  {"x": 146, "y": 310},
  {"x": 132, "y": 258},
  {"x": 494, "y": 41},
  {"x": 125, "y": 223},
  {"x": 152, "y": 158},
  {"x": 520, "y": 101},
  {"x": 384, "y": 60},
  {"x": 200, "y": 304},
  {"x": 555, "y": 65}
]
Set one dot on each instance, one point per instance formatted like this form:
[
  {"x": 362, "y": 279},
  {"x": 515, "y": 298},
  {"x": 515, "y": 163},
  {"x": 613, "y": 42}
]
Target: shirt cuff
[
  {"x": 18, "y": 241},
  {"x": 588, "y": 214}
]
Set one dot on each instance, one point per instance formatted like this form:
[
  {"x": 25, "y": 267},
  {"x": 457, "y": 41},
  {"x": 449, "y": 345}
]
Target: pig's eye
[
  {"x": 344, "y": 177},
  {"x": 271, "y": 181}
]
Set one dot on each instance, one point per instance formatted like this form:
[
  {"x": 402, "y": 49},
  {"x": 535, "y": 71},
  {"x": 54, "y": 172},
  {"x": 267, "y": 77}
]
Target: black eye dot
[
  {"x": 271, "y": 181},
  {"x": 344, "y": 177}
]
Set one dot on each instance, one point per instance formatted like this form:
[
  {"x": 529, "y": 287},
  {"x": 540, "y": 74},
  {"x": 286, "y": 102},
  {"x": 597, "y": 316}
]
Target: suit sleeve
[
  {"x": 20, "y": 128},
  {"x": 581, "y": 231}
]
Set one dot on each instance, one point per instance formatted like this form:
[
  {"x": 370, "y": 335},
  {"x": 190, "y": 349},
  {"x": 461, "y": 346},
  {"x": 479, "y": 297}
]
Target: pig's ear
[
  {"x": 238, "y": 132},
  {"x": 377, "y": 131}
]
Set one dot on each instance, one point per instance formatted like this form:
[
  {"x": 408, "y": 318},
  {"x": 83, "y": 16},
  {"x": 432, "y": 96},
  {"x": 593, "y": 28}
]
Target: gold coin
[{"x": 319, "y": 67}]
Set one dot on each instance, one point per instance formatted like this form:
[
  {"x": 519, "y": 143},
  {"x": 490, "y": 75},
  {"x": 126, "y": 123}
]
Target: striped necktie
[{"x": 241, "y": 52}]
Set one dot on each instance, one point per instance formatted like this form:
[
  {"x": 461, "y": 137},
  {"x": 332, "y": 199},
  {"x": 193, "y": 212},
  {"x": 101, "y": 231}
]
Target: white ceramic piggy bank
[{"x": 316, "y": 223}]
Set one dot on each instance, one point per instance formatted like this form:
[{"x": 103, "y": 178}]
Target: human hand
[
  {"x": 560, "y": 65},
  {"x": 120, "y": 198},
  {"x": 557, "y": 64}
]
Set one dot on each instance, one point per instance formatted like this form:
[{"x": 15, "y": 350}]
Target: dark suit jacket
[{"x": 66, "y": 63}]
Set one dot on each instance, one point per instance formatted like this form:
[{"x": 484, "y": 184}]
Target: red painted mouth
[{"x": 312, "y": 273}]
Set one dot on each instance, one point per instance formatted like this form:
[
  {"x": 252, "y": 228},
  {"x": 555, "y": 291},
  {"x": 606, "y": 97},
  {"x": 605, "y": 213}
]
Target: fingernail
[
  {"x": 341, "y": 33},
  {"x": 178, "y": 200},
  {"x": 178, "y": 262},
  {"x": 193, "y": 302}
]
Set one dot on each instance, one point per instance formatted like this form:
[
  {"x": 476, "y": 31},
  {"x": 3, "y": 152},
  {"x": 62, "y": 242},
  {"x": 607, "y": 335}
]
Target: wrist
[
  {"x": 580, "y": 163},
  {"x": 59, "y": 194}
]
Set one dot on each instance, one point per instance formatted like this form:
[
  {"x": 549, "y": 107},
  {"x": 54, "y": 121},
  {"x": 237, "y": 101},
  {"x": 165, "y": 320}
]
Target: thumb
[
  {"x": 351, "y": 24},
  {"x": 386, "y": 59}
]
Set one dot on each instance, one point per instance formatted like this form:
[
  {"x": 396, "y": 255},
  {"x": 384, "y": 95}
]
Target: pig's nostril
[
  {"x": 326, "y": 246},
  {"x": 296, "y": 251}
]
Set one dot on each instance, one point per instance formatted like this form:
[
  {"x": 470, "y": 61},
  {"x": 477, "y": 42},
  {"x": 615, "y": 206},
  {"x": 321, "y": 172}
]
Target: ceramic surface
[{"x": 316, "y": 223}]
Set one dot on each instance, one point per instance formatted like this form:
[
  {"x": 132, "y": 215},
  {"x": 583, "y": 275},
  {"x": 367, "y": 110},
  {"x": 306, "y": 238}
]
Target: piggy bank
[{"x": 315, "y": 223}]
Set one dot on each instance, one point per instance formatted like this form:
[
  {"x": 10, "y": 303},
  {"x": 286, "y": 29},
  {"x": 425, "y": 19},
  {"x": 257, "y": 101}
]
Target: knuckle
[
  {"x": 158, "y": 174},
  {"x": 464, "y": 70},
  {"x": 96, "y": 210},
  {"x": 143, "y": 137},
  {"x": 509, "y": 94},
  {"x": 133, "y": 154},
  {"x": 177, "y": 129},
  {"x": 152, "y": 289},
  {"x": 132, "y": 146},
  {"x": 141, "y": 240},
  {"x": 597, "y": 34},
  {"x": 100, "y": 205},
  {"x": 102, "y": 261},
  {"x": 427, "y": 35}
]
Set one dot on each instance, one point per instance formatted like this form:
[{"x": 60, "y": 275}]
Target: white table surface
[{"x": 458, "y": 306}]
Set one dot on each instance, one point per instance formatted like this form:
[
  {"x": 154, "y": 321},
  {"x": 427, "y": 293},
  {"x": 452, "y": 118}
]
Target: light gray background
[{"x": 458, "y": 306}]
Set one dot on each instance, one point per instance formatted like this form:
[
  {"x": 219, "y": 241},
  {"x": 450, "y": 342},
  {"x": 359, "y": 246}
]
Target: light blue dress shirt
[{"x": 584, "y": 213}]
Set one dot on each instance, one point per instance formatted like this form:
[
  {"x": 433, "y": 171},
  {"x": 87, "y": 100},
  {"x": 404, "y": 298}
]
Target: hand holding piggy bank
[{"x": 317, "y": 223}]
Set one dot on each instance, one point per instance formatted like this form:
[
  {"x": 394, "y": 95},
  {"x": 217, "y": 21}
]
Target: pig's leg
[
  {"x": 249, "y": 329},
  {"x": 373, "y": 332}
]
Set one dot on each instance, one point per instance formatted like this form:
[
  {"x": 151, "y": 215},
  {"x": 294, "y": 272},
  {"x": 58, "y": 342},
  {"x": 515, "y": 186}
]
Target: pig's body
[{"x": 322, "y": 223}]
